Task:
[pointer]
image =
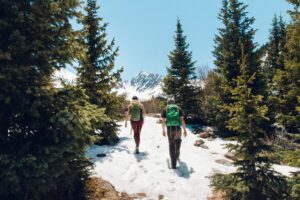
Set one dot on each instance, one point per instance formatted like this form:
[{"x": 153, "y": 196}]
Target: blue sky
[{"x": 144, "y": 29}]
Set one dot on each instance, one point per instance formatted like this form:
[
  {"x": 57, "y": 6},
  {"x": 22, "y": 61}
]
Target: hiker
[
  {"x": 136, "y": 113},
  {"x": 173, "y": 118}
]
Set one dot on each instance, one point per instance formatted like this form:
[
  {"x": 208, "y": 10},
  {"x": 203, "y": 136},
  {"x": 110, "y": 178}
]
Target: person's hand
[
  {"x": 184, "y": 133},
  {"x": 164, "y": 133},
  {"x": 125, "y": 124}
]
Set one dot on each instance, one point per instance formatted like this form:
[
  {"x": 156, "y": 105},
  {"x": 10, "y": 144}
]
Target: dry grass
[{"x": 217, "y": 195}]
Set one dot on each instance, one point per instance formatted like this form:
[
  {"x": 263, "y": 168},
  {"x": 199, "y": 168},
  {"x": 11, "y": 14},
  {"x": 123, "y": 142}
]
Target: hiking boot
[
  {"x": 173, "y": 165},
  {"x": 137, "y": 151}
]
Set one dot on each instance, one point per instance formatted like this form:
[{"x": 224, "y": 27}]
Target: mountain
[
  {"x": 63, "y": 75},
  {"x": 144, "y": 81},
  {"x": 144, "y": 85}
]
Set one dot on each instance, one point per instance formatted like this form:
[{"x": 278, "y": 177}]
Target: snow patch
[{"x": 149, "y": 171}]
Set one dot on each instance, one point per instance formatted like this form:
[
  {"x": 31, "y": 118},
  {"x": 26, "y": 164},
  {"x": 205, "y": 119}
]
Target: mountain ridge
[{"x": 145, "y": 85}]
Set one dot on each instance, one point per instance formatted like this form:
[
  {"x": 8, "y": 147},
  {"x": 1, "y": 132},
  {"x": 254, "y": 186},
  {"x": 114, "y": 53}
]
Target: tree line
[{"x": 251, "y": 94}]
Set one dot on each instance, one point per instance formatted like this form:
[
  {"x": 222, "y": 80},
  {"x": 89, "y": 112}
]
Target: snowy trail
[{"x": 149, "y": 173}]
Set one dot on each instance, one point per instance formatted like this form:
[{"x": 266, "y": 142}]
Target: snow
[
  {"x": 65, "y": 75},
  {"x": 149, "y": 173},
  {"x": 131, "y": 91},
  {"x": 285, "y": 170}
]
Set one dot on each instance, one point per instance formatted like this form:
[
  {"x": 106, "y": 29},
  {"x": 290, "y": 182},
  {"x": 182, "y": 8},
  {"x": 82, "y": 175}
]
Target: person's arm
[
  {"x": 183, "y": 126},
  {"x": 163, "y": 124},
  {"x": 143, "y": 111},
  {"x": 183, "y": 122},
  {"x": 127, "y": 116}
]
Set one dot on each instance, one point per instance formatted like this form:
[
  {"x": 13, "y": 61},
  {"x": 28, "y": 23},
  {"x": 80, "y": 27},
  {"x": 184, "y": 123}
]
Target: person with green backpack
[
  {"x": 136, "y": 113},
  {"x": 173, "y": 118}
]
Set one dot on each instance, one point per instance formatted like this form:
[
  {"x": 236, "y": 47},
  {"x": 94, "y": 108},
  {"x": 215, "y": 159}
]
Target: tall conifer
[
  {"x": 236, "y": 30},
  {"x": 254, "y": 179},
  {"x": 287, "y": 79},
  {"x": 96, "y": 72},
  {"x": 43, "y": 132},
  {"x": 180, "y": 80}
]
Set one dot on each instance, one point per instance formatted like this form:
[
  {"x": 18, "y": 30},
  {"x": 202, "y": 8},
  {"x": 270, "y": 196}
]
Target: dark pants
[
  {"x": 137, "y": 127},
  {"x": 174, "y": 137}
]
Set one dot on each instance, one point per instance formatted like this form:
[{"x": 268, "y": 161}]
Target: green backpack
[
  {"x": 172, "y": 116},
  {"x": 135, "y": 112}
]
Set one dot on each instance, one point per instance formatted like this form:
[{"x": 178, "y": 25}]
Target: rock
[
  {"x": 99, "y": 189},
  {"x": 161, "y": 197},
  {"x": 138, "y": 196},
  {"x": 209, "y": 129},
  {"x": 198, "y": 143},
  {"x": 230, "y": 156},
  {"x": 206, "y": 134},
  {"x": 141, "y": 194},
  {"x": 204, "y": 146},
  {"x": 101, "y": 155},
  {"x": 224, "y": 162}
]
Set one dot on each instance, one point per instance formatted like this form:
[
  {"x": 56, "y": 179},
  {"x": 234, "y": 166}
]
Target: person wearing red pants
[{"x": 136, "y": 113}]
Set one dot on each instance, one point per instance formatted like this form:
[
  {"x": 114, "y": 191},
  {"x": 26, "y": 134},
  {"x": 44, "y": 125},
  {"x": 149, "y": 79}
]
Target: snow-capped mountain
[
  {"x": 144, "y": 85},
  {"x": 145, "y": 81},
  {"x": 63, "y": 75}
]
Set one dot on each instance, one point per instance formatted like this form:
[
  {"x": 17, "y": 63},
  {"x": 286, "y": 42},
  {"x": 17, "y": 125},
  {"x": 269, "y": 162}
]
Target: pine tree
[
  {"x": 287, "y": 79},
  {"x": 96, "y": 74},
  {"x": 236, "y": 30},
  {"x": 273, "y": 61},
  {"x": 275, "y": 49},
  {"x": 254, "y": 178},
  {"x": 42, "y": 131},
  {"x": 180, "y": 79}
]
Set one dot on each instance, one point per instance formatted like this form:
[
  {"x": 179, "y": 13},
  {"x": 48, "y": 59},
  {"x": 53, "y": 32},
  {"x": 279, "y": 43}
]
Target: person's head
[
  {"x": 170, "y": 101},
  {"x": 135, "y": 99}
]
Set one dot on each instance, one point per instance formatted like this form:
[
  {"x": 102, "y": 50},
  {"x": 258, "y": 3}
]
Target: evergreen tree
[
  {"x": 295, "y": 186},
  {"x": 273, "y": 60},
  {"x": 236, "y": 30},
  {"x": 275, "y": 50},
  {"x": 287, "y": 80},
  {"x": 42, "y": 131},
  {"x": 254, "y": 178},
  {"x": 96, "y": 74},
  {"x": 180, "y": 80}
]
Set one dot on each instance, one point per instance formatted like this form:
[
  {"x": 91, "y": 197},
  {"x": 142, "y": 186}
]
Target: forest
[{"x": 251, "y": 95}]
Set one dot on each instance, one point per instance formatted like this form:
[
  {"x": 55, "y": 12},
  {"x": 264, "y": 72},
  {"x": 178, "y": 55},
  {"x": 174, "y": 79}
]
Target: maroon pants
[{"x": 137, "y": 127}]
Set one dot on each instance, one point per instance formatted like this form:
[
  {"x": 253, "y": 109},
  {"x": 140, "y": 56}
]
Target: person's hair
[
  {"x": 135, "y": 98},
  {"x": 170, "y": 101}
]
